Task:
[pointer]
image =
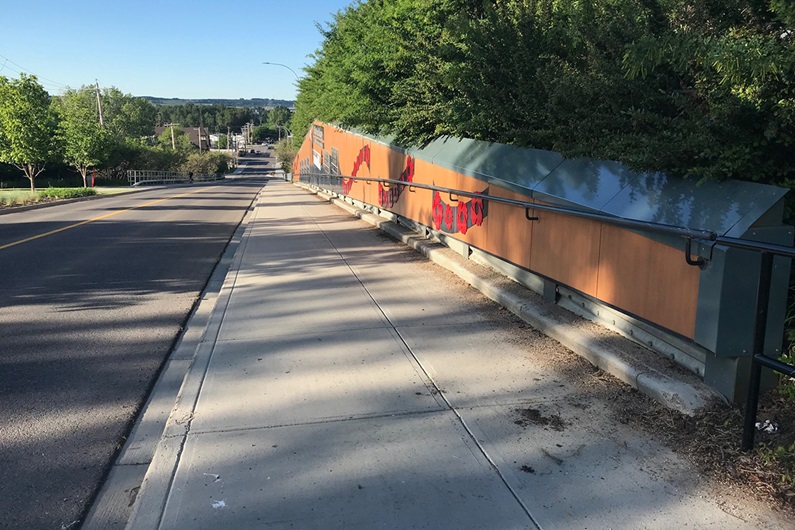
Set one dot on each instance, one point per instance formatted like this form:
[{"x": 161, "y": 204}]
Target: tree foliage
[
  {"x": 85, "y": 142},
  {"x": 286, "y": 152},
  {"x": 212, "y": 163},
  {"x": 27, "y": 126},
  {"x": 265, "y": 132},
  {"x": 699, "y": 88},
  {"x": 175, "y": 139},
  {"x": 127, "y": 116},
  {"x": 279, "y": 116},
  {"x": 35, "y": 129}
]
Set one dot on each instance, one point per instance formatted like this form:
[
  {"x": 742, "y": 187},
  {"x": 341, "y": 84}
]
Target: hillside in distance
[{"x": 256, "y": 102}]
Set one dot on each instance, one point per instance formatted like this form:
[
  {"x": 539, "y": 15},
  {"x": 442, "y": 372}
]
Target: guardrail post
[{"x": 760, "y": 327}]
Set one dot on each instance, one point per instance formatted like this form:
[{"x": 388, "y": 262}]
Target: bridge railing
[
  {"x": 138, "y": 177},
  {"x": 767, "y": 251}
]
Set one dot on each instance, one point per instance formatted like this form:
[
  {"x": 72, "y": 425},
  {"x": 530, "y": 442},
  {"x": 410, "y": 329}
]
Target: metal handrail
[
  {"x": 138, "y": 177},
  {"x": 767, "y": 251}
]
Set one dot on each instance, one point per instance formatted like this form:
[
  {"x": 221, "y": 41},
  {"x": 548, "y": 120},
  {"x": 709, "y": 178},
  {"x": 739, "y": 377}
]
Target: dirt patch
[
  {"x": 711, "y": 440},
  {"x": 534, "y": 417}
]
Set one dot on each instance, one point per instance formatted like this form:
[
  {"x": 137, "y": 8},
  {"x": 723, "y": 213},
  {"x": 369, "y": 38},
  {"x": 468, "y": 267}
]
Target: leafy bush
[
  {"x": 704, "y": 92},
  {"x": 780, "y": 456},
  {"x": 286, "y": 151},
  {"x": 66, "y": 193},
  {"x": 212, "y": 163},
  {"x": 17, "y": 197}
]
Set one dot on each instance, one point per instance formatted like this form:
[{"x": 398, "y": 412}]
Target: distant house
[{"x": 200, "y": 137}]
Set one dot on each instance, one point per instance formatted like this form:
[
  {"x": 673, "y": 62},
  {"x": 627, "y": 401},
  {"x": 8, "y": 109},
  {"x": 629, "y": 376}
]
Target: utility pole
[
  {"x": 99, "y": 106},
  {"x": 173, "y": 142},
  {"x": 200, "y": 131}
]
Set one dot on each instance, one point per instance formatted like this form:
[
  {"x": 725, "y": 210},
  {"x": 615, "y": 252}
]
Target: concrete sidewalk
[{"x": 345, "y": 382}]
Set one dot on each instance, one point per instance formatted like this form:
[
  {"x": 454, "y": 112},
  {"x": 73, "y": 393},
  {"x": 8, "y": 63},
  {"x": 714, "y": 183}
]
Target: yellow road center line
[{"x": 111, "y": 214}]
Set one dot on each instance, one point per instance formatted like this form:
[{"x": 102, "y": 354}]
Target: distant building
[{"x": 237, "y": 141}]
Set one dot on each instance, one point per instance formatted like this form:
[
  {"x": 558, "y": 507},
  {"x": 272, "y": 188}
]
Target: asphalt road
[{"x": 92, "y": 297}]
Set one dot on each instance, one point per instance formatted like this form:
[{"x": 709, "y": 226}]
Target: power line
[{"x": 43, "y": 80}]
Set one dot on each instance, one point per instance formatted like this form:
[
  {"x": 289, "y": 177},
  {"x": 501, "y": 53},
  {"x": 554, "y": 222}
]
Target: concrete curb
[
  {"x": 151, "y": 502},
  {"x": 122, "y": 489},
  {"x": 682, "y": 392}
]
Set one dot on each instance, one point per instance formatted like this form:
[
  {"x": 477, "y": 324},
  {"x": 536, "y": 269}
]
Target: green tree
[
  {"x": 175, "y": 139},
  {"x": 279, "y": 116},
  {"x": 286, "y": 151},
  {"x": 126, "y": 116},
  {"x": 380, "y": 67},
  {"x": 265, "y": 132},
  {"x": 217, "y": 118},
  {"x": 696, "y": 88},
  {"x": 128, "y": 120},
  {"x": 223, "y": 141},
  {"x": 27, "y": 126},
  {"x": 84, "y": 142},
  {"x": 208, "y": 163},
  {"x": 730, "y": 66}
]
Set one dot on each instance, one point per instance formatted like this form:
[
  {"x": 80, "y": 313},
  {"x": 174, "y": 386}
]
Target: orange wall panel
[
  {"x": 595, "y": 258},
  {"x": 508, "y": 233},
  {"x": 567, "y": 249},
  {"x": 664, "y": 289}
]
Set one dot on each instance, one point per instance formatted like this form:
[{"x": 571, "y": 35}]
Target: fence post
[{"x": 760, "y": 327}]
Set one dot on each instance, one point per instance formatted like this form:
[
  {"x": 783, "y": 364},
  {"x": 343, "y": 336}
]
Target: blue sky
[{"x": 166, "y": 48}]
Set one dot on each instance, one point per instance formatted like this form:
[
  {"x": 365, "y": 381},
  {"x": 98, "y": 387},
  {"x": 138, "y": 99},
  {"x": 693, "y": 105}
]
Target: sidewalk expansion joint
[
  {"x": 327, "y": 421},
  {"x": 439, "y": 391}
]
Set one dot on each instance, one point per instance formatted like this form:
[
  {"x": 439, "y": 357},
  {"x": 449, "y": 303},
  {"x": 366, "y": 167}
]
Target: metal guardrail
[
  {"x": 767, "y": 251},
  {"x": 145, "y": 178}
]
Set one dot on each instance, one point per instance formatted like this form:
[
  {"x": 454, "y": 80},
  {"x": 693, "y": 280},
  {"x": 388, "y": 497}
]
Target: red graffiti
[
  {"x": 389, "y": 196},
  {"x": 362, "y": 158},
  {"x": 462, "y": 218},
  {"x": 437, "y": 210},
  {"x": 448, "y": 217},
  {"x": 451, "y": 218},
  {"x": 408, "y": 173},
  {"x": 477, "y": 211},
  {"x": 458, "y": 218}
]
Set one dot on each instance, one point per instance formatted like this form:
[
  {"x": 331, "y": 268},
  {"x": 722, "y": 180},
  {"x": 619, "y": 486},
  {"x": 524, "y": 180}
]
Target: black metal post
[{"x": 760, "y": 327}]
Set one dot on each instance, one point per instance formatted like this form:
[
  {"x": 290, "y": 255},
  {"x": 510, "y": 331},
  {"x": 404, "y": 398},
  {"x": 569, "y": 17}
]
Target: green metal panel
[
  {"x": 726, "y": 208},
  {"x": 727, "y": 297},
  {"x": 514, "y": 168},
  {"x": 584, "y": 184}
]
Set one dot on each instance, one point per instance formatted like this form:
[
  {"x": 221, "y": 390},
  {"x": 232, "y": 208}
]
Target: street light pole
[
  {"x": 284, "y": 66},
  {"x": 286, "y": 130},
  {"x": 279, "y": 127}
]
